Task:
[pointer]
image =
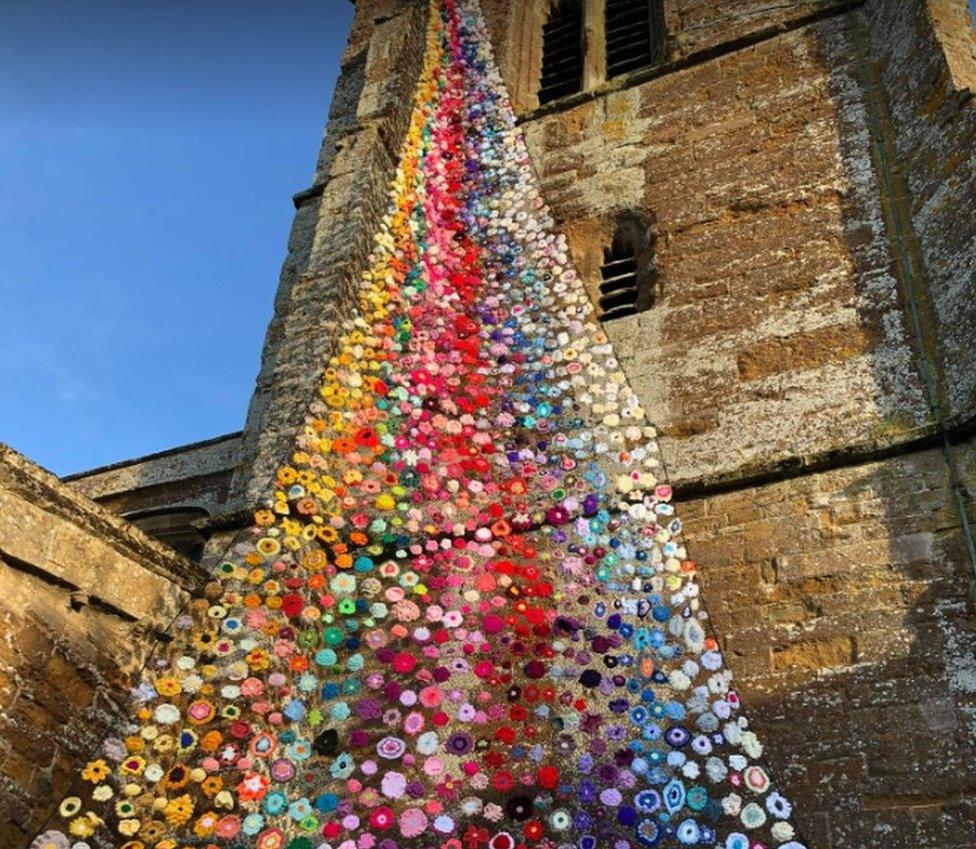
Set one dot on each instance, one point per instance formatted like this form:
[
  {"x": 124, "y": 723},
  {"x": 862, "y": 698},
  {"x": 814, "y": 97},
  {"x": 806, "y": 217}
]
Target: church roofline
[{"x": 169, "y": 452}]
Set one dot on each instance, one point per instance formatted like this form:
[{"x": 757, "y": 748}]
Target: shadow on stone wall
[{"x": 844, "y": 597}]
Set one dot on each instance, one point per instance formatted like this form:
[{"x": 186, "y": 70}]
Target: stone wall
[
  {"x": 779, "y": 333},
  {"x": 84, "y": 597},
  {"x": 194, "y": 476},
  {"x": 181, "y": 496},
  {"x": 926, "y": 58},
  {"x": 844, "y": 601}
]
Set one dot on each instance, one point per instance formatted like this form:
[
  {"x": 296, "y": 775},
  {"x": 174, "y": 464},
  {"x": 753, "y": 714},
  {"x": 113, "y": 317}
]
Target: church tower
[{"x": 771, "y": 211}]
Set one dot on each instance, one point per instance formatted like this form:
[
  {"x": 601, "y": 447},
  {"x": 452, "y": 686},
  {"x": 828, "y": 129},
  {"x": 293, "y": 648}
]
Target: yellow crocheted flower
[
  {"x": 179, "y": 810},
  {"x": 96, "y": 771},
  {"x": 128, "y": 828},
  {"x": 84, "y": 826},
  {"x": 168, "y": 686}
]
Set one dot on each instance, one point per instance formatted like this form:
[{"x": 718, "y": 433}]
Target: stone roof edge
[
  {"x": 45, "y": 489},
  {"x": 157, "y": 455}
]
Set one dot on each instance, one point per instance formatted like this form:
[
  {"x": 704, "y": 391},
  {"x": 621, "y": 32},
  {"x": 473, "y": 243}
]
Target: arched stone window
[
  {"x": 635, "y": 33},
  {"x": 563, "y": 51},
  {"x": 628, "y": 276}
]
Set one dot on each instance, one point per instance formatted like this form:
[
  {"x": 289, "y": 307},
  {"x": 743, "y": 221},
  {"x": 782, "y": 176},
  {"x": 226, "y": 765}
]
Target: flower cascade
[{"x": 465, "y": 618}]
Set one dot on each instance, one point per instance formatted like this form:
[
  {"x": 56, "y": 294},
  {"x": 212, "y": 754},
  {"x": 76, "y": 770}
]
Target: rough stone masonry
[{"x": 84, "y": 597}]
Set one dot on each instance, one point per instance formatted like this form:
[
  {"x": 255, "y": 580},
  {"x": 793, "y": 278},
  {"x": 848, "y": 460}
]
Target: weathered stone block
[{"x": 83, "y": 598}]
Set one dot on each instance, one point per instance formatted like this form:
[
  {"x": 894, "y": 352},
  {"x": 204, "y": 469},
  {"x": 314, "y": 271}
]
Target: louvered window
[
  {"x": 635, "y": 35},
  {"x": 628, "y": 274},
  {"x": 562, "y": 51}
]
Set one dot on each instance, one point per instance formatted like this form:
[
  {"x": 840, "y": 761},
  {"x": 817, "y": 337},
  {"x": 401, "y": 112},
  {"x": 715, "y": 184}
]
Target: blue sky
[{"x": 148, "y": 153}]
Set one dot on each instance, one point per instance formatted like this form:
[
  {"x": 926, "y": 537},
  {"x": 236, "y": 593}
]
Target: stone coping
[{"x": 44, "y": 489}]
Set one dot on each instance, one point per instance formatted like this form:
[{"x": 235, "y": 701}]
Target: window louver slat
[
  {"x": 618, "y": 284},
  {"x": 623, "y": 312},
  {"x": 619, "y": 301}
]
